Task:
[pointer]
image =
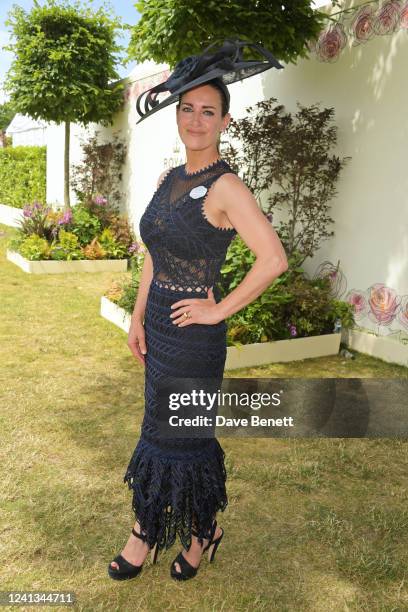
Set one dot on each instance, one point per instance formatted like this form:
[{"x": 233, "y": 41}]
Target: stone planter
[
  {"x": 250, "y": 354},
  {"x": 60, "y": 267},
  {"x": 10, "y": 215},
  {"x": 381, "y": 347},
  {"x": 115, "y": 314},
  {"x": 261, "y": 353}
]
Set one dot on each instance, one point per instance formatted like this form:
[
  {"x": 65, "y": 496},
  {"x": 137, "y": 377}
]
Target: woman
[{"x": 178, "y": 325}]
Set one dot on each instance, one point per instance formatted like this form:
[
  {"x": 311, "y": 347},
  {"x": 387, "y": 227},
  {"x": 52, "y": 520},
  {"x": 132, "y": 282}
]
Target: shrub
[
  {"x": 34, "y": 248},
  {"x": 101, "y": 209},
  {"x": 121, "y": 230},
  {"x": 112, "y": 247},
  {"x": 100, "y": 171},
  {"x": 129, "y": 292},
  {"x": 22, "y": 175},
  {"x": 15, "y": 242},
  {"x": 286, "y": 158},
  {"x": 37, "y": 220},
  {"x": 77, "y": 233},
  {"x": 238, "y": 261},
  {"x": 67, "y": 247},
  {"x": 94, "y": 250},
  {"x": 292, "y": 306},
  {"x": 115, "y": 292},
  {"x": 124, "y": 293},
  {"x": 84, "y": 225}
]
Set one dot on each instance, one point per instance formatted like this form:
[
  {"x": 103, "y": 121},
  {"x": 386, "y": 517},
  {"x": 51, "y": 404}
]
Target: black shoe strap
[{"x": 141, "y": 536}]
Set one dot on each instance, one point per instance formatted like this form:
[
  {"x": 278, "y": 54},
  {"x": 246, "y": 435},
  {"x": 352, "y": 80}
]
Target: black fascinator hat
[{"x": 225, "y": 66}]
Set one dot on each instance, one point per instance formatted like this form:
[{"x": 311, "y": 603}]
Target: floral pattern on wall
[
  {"x": 379, "y": 308},
  {"x": 359, "y": 25}
]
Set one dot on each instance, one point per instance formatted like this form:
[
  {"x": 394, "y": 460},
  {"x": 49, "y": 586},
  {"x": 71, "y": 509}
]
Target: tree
[
  {"x": 64, "y": 66},
  {"x": 172, "y": 29},
  {"x": 289, "y": 154},
  {"x": 7, "y": 113}
]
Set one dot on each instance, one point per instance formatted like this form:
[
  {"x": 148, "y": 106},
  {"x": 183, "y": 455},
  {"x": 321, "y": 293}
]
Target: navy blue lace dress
[{"x": 178, "y": 482}]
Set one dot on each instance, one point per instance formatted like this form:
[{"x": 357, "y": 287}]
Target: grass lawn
[{"x": 311, "y": 525}]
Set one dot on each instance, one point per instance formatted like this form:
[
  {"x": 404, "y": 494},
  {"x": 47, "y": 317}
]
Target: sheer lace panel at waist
[{"x": 175, "y": 286}]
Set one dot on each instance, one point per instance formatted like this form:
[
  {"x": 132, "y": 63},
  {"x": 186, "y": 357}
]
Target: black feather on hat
[{"x": 226, "y": 66}]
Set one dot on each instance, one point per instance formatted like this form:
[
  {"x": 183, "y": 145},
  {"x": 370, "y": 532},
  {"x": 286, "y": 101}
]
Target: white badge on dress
[{"x": 198, "y": 192}]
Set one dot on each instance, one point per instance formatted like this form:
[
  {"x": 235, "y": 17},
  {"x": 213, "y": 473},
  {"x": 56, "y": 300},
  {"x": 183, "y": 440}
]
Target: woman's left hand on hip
[{"x": 204, "y": 311}]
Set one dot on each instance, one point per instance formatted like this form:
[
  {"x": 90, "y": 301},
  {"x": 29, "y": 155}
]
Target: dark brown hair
[{"x": 224, "y": 101}]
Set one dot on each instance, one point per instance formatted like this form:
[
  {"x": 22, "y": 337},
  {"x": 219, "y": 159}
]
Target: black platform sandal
[
  {"x": 187, "y": 570},
  {"x": 127, "y": 570}
]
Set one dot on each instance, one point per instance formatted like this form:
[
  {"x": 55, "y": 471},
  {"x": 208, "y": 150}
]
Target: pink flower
[
  {"x": 403, "y": 312},
  {"x": 134, "y": 247},
  {"x": 357, "y": 299},
  {"x": 362, "y": 26},
  {"x": 66, "y": 218},
  {"x": 35, "y": 209},
  {"x": 384, "y": 303},
  {"x": 404, "y": 17},
  {"x": 330, "y": 43},
  {"x": 100, "y": 200},
  {"x": 387, "y": 18}
]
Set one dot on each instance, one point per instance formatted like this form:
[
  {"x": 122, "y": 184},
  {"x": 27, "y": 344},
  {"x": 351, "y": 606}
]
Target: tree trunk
[{"x": 66, "y": 166}]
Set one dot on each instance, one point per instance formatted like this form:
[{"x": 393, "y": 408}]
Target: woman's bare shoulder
[{"x": 230, "y": 183}]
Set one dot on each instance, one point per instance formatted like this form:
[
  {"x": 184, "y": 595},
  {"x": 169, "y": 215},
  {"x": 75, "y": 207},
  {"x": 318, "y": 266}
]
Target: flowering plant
[
  {"x": 75, "y": 233},
  {"x": 67, "y": 247},
  {"x": 137, "y": 252},
  {"x": 293, "y": 306},
  {"x": 37, "y": 220},
  {"x": 124, "y": 292}
]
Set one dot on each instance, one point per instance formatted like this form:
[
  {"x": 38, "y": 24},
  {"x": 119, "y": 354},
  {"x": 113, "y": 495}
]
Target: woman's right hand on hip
[{"x": 136, "y": 340}]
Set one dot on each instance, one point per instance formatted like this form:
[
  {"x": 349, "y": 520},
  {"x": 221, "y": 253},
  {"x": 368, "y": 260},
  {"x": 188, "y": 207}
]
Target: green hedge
[{"x": 22, "y": 175}]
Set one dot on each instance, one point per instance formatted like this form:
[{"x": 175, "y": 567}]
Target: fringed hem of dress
[{"x": 171, "y": 490}]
